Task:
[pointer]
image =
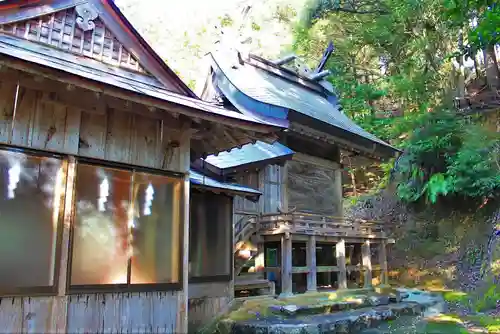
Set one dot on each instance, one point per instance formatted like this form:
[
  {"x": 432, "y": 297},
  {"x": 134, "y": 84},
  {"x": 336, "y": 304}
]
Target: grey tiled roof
[
  {"x": 272, "y": 89},
  {"x": 203, "y": 180},
  {"x": 249, "y": 153}
]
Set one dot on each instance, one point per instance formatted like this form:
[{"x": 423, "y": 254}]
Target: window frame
[
  {"x": 49, "y": 290},
  {"x": 127, "y": 287},
  {"x": 214, "y": 278}
]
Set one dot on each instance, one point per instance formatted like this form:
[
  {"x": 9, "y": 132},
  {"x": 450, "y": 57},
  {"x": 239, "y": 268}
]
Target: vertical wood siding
[
  {"x": 40, "y": 123},
  {"x": 152, "y": 312},
  {"x": 207, "y": 301},
  {"x": 114, "y": 135}
]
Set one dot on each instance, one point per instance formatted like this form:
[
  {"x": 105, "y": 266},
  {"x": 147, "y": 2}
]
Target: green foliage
[
  {"x": 447, "y": 156},
  {"x": 398, "y": 62},
  {"x": 485, "y": 16}
]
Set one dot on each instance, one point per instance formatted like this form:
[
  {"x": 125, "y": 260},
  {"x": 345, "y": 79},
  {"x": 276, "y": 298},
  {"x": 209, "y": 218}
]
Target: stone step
[{"x": 353, "y": 321}]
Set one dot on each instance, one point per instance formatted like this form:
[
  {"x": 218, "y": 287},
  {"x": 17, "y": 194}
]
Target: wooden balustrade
[{"x": 312, "y": 224}]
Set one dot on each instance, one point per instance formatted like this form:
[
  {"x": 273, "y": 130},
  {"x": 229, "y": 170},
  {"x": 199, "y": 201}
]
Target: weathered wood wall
[
  {"x": 207, "y": 301},
  {"x": 269, "y": 181},
  {"x": 314, "y": 185},
  {"x": 152, "y": 312},
  {"x": 39, "y": 121}
]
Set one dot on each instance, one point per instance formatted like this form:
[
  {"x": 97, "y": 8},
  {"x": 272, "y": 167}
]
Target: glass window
[
  {"x": 156, "y": 236},
  {"x": 31, "y": 199},
  {"x": 127, "y": 227},
  {"x": 210, "y": 249}
]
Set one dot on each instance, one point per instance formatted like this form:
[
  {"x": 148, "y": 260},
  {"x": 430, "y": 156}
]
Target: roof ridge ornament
[{"x": 86, "y": 14}]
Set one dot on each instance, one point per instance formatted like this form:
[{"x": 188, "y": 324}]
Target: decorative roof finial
[{"x": 85, "y": 16}]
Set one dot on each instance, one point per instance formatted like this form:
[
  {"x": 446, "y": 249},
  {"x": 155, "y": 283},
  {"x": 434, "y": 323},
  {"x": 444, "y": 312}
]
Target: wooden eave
[
  {"x": 20, "y": 10},
  {"x": 301, "y": 125},
  {"x": 212, "y": 129}
]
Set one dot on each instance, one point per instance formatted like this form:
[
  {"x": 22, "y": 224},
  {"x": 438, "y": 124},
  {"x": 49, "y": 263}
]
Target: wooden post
[
  {"x": 311, "y": 264},
  {"x": 284, "y": 188},
  {"x": 286, "y": 265},
  {"x": 338, "y": 193},
  {"x": 367, "y": 263},
  {"x": 182, "y": 325},
  {"x": 340, "y": 254},
  {"x": 384, "y": 279}
]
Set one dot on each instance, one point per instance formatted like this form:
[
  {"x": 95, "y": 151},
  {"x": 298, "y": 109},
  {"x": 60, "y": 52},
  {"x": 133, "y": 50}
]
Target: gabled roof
[
  {"x": 88, "y": 43},
  {"x": 199, "y": 180},
  {"x": 94, "y": 29},
  {"x": 259, "y": 88},
  {"x": 250, "y": 155}
]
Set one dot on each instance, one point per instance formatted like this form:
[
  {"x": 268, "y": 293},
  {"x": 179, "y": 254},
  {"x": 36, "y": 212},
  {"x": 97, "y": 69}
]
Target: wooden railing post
[
  {"x": 286, "y": 265},
  {"x": 311, "y": 264},
  {"x": 367, "y": 263},
  {"x": 341, "y": 264},
  {"x": 384, "y": 280}
]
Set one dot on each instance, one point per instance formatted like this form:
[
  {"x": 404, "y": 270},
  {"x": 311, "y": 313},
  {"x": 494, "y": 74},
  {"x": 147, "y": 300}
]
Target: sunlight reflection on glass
[
  {"x": 14, "y": 173},
  {"x": 103, "y": 194},
  {"x": 148, "y": 200}
]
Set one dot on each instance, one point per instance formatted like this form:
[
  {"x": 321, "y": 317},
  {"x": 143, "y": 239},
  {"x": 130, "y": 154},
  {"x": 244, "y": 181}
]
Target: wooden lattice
[{"x": 61, "y": 31}]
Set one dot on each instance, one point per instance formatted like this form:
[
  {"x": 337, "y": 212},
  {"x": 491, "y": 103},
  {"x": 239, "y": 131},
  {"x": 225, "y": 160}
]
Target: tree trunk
[
  {"x": 491, "y": 65},
  {"x": 461, "y": 72}
]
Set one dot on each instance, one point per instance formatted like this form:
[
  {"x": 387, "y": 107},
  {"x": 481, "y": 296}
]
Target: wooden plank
[
  {"x": 311, "y": 263},
  {"x": 209, "y": 290},
  {"x": 26, "y": 106},
  {"x": 112, "y": 313},
  {"x": 11, "y": 314},
  {"x": 73, "y": 123},
  {"x": 37, "y": 314},
  {"x": 367, "y": 264},
  {"x": 7, "y": 101},
  {"x": 118, "y": 136},
  {"x": 383, "y": 263},
  {"x": 84, "y": 314},
  {"x": 59, "y": 314},
  {"x": 49, "y": 126},
  {"x": 92, "y": 137},
  {"x": 146, "y": 141},
  {"x": 202, "y": 311},
  {"x": 341, "y": 264},
  {"x": 286, "y": 265}
]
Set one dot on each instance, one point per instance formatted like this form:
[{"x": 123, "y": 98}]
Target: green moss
[
  {"x": 443, "y": 324},
  {"x": 489, "y": 299},
  {"x": 492, "y": 324},
  {"x": 456, "y": 297}
]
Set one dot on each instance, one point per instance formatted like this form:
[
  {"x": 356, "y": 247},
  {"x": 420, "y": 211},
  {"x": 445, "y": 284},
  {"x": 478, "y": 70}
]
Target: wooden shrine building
[
  {"x": 295, "y": 235},
  {"x": 97, "y": 136}
]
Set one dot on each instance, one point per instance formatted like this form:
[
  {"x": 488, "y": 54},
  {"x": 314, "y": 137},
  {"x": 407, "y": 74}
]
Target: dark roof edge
[
  {"x": 256, "y": 164},
  {"x": 361, "y": 142}
]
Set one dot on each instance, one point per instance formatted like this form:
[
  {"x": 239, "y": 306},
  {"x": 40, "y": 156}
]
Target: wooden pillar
[
  {"x": 284, "y": 188},
  {"x": 340, "y": 254},
  {"x": 339, "y": 212},
  {"x": 367, "y": 263},
  {"x": 311, "y": 263},
  {"x": 286, "y": 265},
  {"x": 384, "y": 279}
]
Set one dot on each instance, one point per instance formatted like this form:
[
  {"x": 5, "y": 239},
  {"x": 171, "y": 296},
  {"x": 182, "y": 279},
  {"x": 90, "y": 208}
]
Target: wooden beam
[
  {"x": 384, "y": 280},
  {"x": 286, "y": 265},
  {"x": 367, "y": 263},
  {"x": 70, "y": 95},
  {"x": 341, "y": 264},
  {"x": 121, "y": 93},
  {"x": 311, "y": 264}
]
